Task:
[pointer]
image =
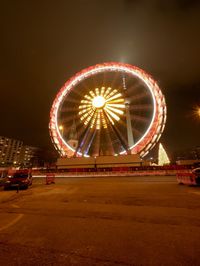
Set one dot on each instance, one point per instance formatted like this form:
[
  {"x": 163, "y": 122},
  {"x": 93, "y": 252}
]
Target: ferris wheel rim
[{"x": 96, "y": 69}]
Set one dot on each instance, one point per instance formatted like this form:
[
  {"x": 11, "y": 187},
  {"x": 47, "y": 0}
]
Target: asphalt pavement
[{"x": 101, "y": 221}]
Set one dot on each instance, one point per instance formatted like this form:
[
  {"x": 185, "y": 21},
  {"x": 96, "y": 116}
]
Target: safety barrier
[
  {"x": 186, "y": 178},
  {"x": 50, "y": 178}
]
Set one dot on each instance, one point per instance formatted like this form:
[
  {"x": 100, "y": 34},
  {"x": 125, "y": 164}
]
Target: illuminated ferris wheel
[{"x": 108, "y": 109}]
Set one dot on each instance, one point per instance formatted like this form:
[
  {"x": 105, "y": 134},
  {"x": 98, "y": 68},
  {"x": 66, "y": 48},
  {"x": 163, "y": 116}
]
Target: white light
[{"x": 98, "y": 102}]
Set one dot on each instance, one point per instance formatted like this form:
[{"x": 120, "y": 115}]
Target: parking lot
[{"x": 101, "y": 221}]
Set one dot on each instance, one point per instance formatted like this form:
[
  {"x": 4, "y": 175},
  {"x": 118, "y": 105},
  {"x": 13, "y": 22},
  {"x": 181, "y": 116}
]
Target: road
[{"x": 101, "y": 221}]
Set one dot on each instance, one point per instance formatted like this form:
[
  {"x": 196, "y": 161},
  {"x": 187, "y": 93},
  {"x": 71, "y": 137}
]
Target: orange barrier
[
  {"x": 50, "y": 178},
  {"x": 108, "y": 173},
  {"x": 186, "y": 178}
]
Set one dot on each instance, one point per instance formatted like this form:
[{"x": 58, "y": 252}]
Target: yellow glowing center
[
  {"x": 101, "y": 106},
  {"x": 98, "y": 102}
]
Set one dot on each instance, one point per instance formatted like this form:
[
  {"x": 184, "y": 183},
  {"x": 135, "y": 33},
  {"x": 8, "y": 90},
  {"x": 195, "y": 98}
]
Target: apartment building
[{"x": 14, "y": 152}]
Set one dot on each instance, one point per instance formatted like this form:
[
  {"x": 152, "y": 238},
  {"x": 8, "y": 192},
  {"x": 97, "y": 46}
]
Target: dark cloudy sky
[{"x": 43, "y": 43}]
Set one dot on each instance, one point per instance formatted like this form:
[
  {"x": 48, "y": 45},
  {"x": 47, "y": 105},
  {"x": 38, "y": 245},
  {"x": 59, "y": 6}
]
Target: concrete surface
[{"x": 101, "y": 221}]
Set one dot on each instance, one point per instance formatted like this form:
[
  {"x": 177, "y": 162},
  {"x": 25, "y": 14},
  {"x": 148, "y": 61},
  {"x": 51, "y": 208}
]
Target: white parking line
[{"x": 19, "y": 216}]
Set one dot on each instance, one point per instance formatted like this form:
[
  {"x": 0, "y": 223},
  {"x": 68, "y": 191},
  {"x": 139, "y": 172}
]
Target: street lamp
[
  {"x": 196, "y": 111},
  {"x": 61, "y": 128}
]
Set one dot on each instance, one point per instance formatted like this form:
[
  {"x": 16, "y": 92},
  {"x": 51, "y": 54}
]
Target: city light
[{"x": 196, "y": 111}]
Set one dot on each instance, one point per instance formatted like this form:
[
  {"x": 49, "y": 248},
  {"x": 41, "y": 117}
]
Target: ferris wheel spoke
[
  {"x": 93, "y": 134},
  {"x": 136, "y": 131},
  {"x": 93, "y": 120},
  {"x": 87, "y": 142},
  {"x": 111, "y": 93},
  {"x": 116, "y": 105},
  {"x": 139, "y": 118},
  {"x": 87, "y": 111},
  {"x": 80, "y": 93},
  {"x": 107, "y": 91},
  {"x": 97, "y": 91},
  {"x": 116, "y": 101},
  {"x": 72, "y": 98},
  {"x": 121, "y": 138},
  {"x": 134, "y": 85},
  {"x": 141, "y": 107},
  {"x": 114, "y": 79},
  {"x": 112, "y": 114},
  {"x": 103, "y": 79},
  {"x": 139, "y": 96},
  {"x": 109, "y": 141},
  {"x": 68, "y": 109},
  {"x": 113, "y": 97},
  {"x": 116, "y": 141},
  {"x": 94, "y": 82},
  {"x": 110, "y": 118},
  {"x": 83, "y": 139},
  {"x": 81, "y": 132},
  {"x": 64, "y": 120},
  {"x": 118, "y": 134},
  {"x": 96, "y": 142},
  {"x": 115, "y": 110}
]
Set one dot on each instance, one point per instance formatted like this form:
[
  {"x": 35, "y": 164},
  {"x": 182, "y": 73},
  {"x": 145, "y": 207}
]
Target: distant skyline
[{"x": 44, "y": 43}]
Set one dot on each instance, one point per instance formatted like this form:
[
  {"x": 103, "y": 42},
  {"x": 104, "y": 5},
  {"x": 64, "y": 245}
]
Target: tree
[{"x": 162, "y": 156}]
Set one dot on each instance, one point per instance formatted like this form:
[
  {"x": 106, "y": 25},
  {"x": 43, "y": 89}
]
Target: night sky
[{"x": 44, "y": 43}]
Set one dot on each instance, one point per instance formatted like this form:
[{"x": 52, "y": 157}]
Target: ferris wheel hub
[{"x": 98, "y": 102}]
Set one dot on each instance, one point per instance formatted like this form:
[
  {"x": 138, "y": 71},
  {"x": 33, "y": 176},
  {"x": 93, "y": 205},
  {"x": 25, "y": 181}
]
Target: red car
[{"x": 18, "y": 178}]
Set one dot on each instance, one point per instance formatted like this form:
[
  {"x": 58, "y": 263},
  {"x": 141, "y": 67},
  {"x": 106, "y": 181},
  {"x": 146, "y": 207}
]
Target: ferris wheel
[{"x": 108, "y": 109}]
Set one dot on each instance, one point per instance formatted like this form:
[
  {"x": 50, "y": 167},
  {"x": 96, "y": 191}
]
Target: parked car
[{"x": 18, "y": 178}]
